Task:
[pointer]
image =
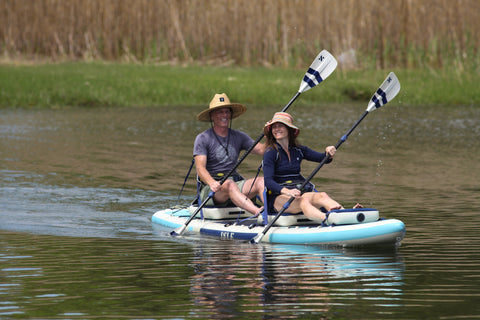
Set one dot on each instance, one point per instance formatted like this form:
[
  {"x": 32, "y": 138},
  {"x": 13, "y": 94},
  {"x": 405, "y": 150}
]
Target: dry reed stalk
[{"x": 402, "y": 33}]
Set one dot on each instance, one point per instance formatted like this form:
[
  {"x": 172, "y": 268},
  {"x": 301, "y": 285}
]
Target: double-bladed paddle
[
  {"x": 323, "y": 65},
  {"x": 387, "y": 91}
]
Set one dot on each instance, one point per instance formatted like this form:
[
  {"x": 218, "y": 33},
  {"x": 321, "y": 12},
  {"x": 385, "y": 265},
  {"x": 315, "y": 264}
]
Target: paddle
[
  {"x": 387, "y": 91},
  {"x": 323, "y": 65}
]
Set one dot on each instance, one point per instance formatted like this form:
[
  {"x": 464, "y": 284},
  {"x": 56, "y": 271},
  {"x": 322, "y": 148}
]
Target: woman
[{"x": 281, "y": 167}]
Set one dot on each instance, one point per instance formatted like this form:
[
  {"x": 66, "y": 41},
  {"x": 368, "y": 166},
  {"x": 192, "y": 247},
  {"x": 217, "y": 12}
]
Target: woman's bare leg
[
  {"x": 322, "y": 199},
  {"x": 310, "y": 204}
]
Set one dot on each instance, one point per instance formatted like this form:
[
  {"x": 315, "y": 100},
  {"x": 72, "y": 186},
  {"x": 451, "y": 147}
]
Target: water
[{"x": 78, "y": 188}]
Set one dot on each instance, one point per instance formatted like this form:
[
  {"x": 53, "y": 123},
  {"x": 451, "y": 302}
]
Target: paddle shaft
[
  {"x": 259, "y": 237},
  {"x": 225, "y": 177}
]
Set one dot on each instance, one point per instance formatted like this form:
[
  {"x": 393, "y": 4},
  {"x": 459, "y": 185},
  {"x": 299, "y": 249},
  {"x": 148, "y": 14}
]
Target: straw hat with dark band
[
  {"x": 284, "y": 118},
  {"x": 220, "y": 100}
]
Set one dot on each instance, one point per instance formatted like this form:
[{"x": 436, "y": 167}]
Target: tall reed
[{"x": 362, "y": 34}]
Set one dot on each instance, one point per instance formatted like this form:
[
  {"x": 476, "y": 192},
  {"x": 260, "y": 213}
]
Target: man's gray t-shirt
[{"x": 215, "y": 148}]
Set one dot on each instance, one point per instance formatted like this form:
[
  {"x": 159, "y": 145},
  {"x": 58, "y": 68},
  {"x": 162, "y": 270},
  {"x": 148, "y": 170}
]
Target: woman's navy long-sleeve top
[{"x": 277, "y": 168}]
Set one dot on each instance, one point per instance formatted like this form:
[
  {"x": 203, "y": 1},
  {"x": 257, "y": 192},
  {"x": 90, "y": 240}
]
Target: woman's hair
[{"x": 270, "y": 140}]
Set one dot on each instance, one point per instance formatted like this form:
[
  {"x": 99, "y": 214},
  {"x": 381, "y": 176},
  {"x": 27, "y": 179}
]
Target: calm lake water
[{"x": 78, "y": 188}]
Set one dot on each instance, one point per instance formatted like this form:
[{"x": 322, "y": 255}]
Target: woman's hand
[
  {"x": 291, "y": 192},
  {"x": 330, "y": 150}
]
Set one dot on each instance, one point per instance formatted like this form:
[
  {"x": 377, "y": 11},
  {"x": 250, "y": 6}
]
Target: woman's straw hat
[
  {"x": 284, "y": 118},
  {"x": 220, "y": 100}
]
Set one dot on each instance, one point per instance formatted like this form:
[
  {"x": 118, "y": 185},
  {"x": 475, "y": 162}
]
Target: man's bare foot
[{"x": 259, "y": 211}]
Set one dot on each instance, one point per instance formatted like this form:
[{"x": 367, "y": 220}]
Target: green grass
[{"x": 121, "y": 85}]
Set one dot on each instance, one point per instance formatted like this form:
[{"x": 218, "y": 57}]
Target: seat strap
[{"x": 186, "y": 178}]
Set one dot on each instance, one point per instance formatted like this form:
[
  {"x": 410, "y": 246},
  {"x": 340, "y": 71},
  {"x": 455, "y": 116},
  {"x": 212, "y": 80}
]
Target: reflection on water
[
  {"x": 92, "y": 277},
  {"x": 78, "y": 188},
  {"x": 278, "y": 279}
]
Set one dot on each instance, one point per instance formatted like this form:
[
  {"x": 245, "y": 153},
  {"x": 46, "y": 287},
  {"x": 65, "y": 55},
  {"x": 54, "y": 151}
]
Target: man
[{"x": 216, "y": 151}]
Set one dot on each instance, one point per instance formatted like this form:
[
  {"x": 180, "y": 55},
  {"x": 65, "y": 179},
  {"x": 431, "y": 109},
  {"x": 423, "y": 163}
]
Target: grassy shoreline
[{"x": 97, "y": 84}]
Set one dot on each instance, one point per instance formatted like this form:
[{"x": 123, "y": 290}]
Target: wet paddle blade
[
  {"x": 257, "y": 238},
  {"x": 179, "y": 231},
  {"x": 323, "y": 66},
  {"x": 387, "y": 91}
]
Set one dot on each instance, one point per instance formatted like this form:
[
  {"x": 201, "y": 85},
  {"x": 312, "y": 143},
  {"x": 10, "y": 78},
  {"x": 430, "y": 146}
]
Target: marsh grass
[
  {"x": 364, "y": 34},
  {"x": 113, "y": 84}
]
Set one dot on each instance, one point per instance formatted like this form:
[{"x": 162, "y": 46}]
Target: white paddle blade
[
  {"x": 387, "y": 91},
  {"x": 257, "y": 238},
  {"x": 323, "y": 66},
  {"x": 178, "y": 231}
]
